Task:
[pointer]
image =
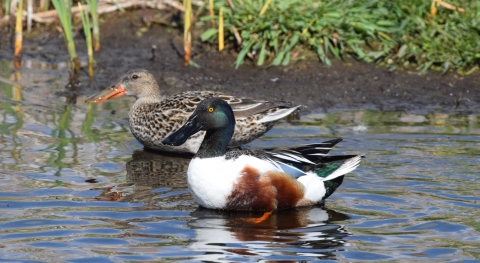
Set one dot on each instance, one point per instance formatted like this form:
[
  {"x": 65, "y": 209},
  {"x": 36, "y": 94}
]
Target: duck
[
  {"x": 152, "y": 117},
  {"x": 256, "y": 180}
]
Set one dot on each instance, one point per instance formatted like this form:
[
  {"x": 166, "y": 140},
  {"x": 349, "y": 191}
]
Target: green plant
[
  {"x": 7, "y": 7},
  {"x": 394, "y": 33},
  {"x": 93, "y": 4},
  {"x": 88, "y": 37},
  {"x": 63, "y": 8}
]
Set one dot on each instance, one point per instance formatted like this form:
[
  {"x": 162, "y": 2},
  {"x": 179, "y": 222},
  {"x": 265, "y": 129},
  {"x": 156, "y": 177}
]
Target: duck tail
[
  {"x": 347, "y": 166},
  {"x": 278, "y": 114},
  {"x": 335, "y": 179}
]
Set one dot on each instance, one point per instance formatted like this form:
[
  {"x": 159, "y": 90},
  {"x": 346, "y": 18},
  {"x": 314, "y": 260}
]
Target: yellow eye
[{"x": 210, "y": 109}]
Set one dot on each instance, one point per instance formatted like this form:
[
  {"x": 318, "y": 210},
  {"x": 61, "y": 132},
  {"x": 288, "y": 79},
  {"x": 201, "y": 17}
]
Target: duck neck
[
  {"x": 151, "y": 97},
  {"x": 147, "y": 100},
  {"x": 215, "y": 143}
]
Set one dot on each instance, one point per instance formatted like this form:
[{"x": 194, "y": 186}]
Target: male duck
[
  {"x": 152, "y": 118},
  {"x": 256, "y": 180}
]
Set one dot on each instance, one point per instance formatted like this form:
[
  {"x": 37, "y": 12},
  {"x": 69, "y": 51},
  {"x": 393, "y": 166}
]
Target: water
[{"x": 75, "y": 186}]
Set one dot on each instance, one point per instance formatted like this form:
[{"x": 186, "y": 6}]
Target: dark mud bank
[{"x": 345, "y": 85}]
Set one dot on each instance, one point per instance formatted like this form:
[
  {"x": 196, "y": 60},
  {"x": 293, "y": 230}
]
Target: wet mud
[{"x": 346, "y": 85}]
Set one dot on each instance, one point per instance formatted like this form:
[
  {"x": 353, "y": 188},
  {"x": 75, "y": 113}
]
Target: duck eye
[
  {"x": 210, "y": 109},
  {"x": 135, "y": 77}
]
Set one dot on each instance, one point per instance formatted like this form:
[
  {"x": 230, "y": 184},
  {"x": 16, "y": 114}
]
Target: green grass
[
  {"x": 7, "y": 8},
  {"x": 394, "y": 33},
  {"x": 64, "y": 13},
  {"x": 93, "y": 4},
  {"x": 86, "y": 24}
]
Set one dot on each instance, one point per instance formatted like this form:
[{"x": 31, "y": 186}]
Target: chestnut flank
[{"x": 274, "y": 190}]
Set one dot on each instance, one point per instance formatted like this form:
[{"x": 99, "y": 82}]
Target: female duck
[
  {"x": 256, "y": 180},
  {"x": 152, "y": 118}
]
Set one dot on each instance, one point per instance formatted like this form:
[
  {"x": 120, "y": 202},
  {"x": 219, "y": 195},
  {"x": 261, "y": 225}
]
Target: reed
[
  {"x": 64, "y": 13},
  {"x": 88, "y": 37},
  {"x": 7, "y": 7},
  {"x": 93, "y": 4},
  {"x": 221, "y": 44},
  {"x": 17, "y": 52},
  {"x": 211, "y": 12},
  {"x": 265, "y": 7},
  {"x": 41, "y": 5},
  {"x": 29, "y": 15},
  {"x": 187, "y": 34},
  {"x": 46, "y": 5}
]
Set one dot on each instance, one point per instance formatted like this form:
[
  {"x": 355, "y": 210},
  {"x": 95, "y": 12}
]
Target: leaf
[
  {"x": 293, "y": 41},
  {"x": 375, "y": 54},
  {"x": 261, "y": 57},
  {"x": 401, "y": 51},
  {"x": 321, "y": 55},
  {"x": 192, "y": 63},
  {"x": 208, "y": 34},
  {"x": 426, "y": 66},
  {"x": 207, "y": 18},
  {"x": 243, "y": 52},
  {"x": 334, "y": 50},
  {"x": 446, "y": 67},
  {"x": 286, "y": 60},
  {"x": 274, "y": 44},
  {"x": 386, "y": 23},
  {"x": 257, "y": 46},
  {"x": 278, "y": 59}
]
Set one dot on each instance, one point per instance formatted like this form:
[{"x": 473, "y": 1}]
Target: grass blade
[
  {"x": 88, "y": 37},
  {"x": 261, "y": 57},
  {"x": 93, "y": 4},
  {"x": 243, "y": 53}
]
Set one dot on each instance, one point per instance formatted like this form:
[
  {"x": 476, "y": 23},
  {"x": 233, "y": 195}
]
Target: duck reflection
[
  {"x": 155, "y": 179},
  {"x": 159, "y": 180},
  {"x": 157, "y": 169},
  {"x": 224, "y": 235}
]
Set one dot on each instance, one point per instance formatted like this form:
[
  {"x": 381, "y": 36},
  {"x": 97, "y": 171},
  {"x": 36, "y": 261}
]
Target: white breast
[{"x": 211, "y": 180}]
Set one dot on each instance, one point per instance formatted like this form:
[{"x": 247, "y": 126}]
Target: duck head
[
  {"x": 212, "y": 115},
  {"x": 138, "y": 83}
]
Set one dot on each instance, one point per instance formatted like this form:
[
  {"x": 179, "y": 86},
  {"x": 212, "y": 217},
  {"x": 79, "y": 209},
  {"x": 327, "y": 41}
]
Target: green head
[{"x": 214, "y": 116}]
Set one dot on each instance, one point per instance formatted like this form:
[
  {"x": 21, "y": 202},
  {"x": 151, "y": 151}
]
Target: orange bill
[{"x": 111, "y": 92}]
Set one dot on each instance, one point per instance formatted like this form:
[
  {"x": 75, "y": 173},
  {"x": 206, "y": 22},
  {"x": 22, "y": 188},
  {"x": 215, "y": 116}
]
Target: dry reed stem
[
  {"x": 187, "y": 35},
  {"x": 221, "y": 44},
  {"x": 212, "y": 13},
  {"x": 29, "y": 15},
  {"x": 18, "y": 35},
  {"x": 435, "y": 3},
  {"x": 265, "y": 6},
  {"x": 230, "y": 3},
  {"x": 91, "y": 72},
  {"x": 199, "y": 11},
  {"x": 240, "y": 41}
]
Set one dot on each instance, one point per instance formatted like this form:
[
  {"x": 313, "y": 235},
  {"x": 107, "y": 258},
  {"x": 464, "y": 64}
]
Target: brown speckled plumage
[{"x": 152, "y": 118}]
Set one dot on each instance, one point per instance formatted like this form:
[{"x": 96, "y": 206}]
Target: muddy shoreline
[{"x": 347, "y": 85}]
